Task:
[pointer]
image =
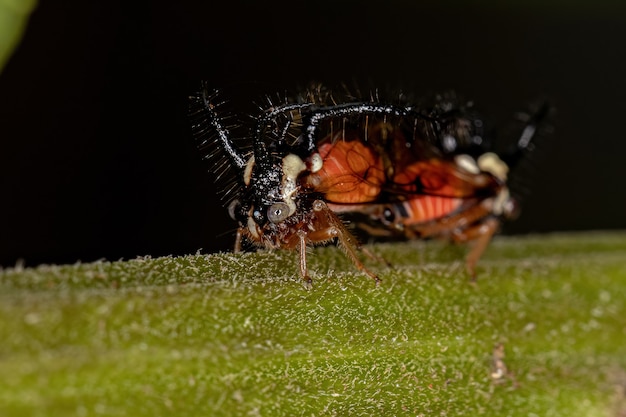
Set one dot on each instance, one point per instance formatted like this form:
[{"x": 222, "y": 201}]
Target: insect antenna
[
  {"x": 311, "y": 120},
  {"x": 261, "y": 155},
  {"x": 522, "y": 158},
  {"x": 212, "y": 134},
  {"x": 527, "y": 139},
  {"x": 208, "y": 127}
]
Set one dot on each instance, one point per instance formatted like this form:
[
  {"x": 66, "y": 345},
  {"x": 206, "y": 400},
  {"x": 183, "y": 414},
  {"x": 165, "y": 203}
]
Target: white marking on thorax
[
  {"x": 491, "y": 163},
  {"x": 467, "y": 163},
  {"x": 292, "y": 167}
]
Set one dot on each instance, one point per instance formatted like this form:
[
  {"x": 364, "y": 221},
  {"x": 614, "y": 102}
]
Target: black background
[{"x": 96, "y": 157}]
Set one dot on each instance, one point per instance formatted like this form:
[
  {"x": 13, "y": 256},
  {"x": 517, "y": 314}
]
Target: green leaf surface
[
  {"x": 225, "y": 334},
  {"x": 13, "y": 18}
]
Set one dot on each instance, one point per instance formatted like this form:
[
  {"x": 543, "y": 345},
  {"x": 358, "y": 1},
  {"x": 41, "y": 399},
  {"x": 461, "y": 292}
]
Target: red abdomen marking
[{"x": 425, "y": 208}]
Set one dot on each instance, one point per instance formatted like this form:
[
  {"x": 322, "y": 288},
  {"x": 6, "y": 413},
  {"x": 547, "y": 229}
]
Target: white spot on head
[
  {"x": 491, "y": 163},
  {"x": 467, "y": 163},
  {"x": 316, "y": 162}
]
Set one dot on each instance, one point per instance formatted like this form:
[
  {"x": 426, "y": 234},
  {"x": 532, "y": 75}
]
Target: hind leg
[{"x": 478, "y": 236}]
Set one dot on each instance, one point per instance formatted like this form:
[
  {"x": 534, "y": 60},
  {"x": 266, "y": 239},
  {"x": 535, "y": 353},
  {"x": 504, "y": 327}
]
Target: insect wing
[{"x": 441, "y": 178}]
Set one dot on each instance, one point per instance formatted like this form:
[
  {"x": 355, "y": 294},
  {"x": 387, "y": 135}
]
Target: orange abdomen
[
  {"x": 352, "y": 173},
  {"x": 425, "y": 208}
]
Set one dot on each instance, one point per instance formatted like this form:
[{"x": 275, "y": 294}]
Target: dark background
[{"x": 96, "y": 157}]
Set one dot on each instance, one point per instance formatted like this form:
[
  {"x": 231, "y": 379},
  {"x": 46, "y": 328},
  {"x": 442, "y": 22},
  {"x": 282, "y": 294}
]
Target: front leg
[
  {"x": 334, "y": 228},
  {"x": 304, "y": 273},
  {"x": 238, "y": 238}
]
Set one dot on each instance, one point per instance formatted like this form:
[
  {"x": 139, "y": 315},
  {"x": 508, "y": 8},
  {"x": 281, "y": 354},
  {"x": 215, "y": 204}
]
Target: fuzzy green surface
[{"x": 226, "y": 334}]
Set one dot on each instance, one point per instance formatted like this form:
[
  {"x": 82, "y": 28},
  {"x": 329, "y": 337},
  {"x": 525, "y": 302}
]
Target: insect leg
[
  {"x": 304, "y": 273},
  {"x": 479, "y": 235},
  {"x": 374, "y": 256},
  {"x": 347, "y": 242},
  {"x": 238, "y": 238},
  {"x": 472, "y": 225},
  {"x": 460, "y": 221}
]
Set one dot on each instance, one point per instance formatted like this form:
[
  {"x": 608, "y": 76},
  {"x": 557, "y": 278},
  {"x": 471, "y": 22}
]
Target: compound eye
[
  {"x": 388, "y": 215},
  {"x": 278, "y": 212}
]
